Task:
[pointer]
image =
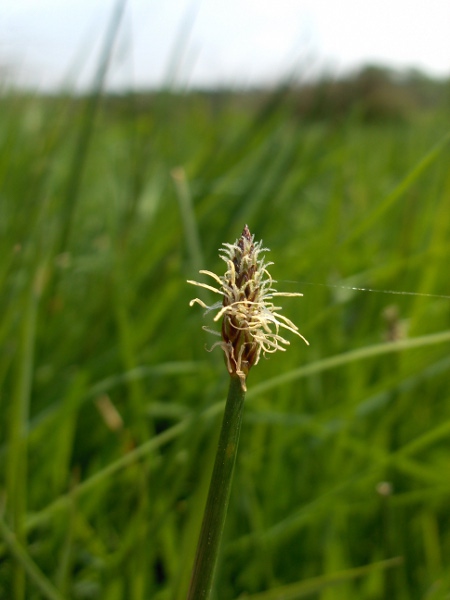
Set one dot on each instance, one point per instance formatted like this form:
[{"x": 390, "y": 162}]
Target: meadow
[{"x": 110, "y": 406}]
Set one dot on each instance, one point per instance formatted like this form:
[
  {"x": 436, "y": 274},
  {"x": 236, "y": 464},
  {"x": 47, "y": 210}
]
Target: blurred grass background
[{"x": 111, "y": 406}]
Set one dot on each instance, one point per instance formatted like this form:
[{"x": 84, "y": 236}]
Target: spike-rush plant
[{"x": 251, "y": 325}]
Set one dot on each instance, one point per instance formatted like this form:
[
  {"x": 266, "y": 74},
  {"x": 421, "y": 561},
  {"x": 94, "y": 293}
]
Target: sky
[{"x": 47, "y": 44}]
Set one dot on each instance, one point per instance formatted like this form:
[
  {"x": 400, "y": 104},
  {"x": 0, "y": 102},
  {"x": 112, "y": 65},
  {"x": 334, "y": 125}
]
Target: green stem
[
  {"x": 218, "y": 495},
  {"x": 17, "y": 463},
  {"x": 22, "y": 557}
]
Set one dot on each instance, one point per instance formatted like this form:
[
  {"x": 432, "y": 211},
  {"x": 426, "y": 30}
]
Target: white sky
[{"x": 42, "y": 42}]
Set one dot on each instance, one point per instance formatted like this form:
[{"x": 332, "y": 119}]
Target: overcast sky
[{"x": 42, "y": 42}]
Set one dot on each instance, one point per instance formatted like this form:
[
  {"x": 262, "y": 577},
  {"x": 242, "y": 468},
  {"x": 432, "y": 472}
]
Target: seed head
[{"x": 250, "y": 321}]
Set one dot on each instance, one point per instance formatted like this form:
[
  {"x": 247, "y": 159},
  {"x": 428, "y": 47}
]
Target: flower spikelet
[{"x": 251, "y": 322}]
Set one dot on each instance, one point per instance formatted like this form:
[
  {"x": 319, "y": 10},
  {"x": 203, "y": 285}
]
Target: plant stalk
[{"x": 218, "y": 495}]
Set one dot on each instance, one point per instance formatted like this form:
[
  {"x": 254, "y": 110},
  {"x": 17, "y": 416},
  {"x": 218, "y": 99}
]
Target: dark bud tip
[{"x": 246, "y": 233}]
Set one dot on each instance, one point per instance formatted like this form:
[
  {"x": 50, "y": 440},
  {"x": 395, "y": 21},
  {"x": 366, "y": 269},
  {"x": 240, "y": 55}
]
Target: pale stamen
[{"x": 251, "y": 322}]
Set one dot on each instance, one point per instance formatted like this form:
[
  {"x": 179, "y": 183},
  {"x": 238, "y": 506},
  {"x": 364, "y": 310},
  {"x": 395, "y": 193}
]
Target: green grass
[{"x": 98, "y": 238}]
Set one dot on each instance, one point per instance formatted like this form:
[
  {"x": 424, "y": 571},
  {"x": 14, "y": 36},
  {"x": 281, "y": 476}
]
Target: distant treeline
[{"x": 372, "y": 94}]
